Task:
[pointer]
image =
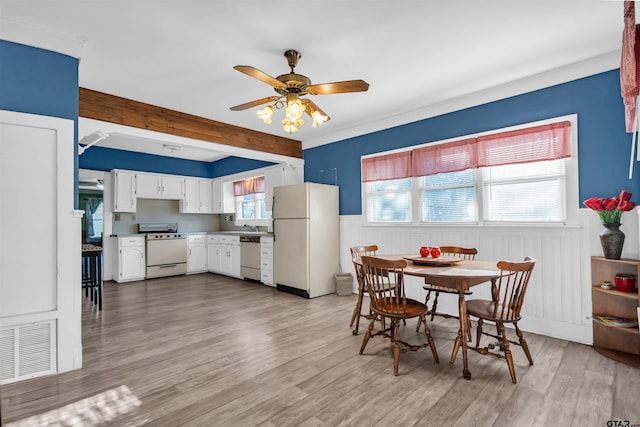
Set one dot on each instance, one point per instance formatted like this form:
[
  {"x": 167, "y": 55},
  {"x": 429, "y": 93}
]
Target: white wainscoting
[{"x": 558, "y": 301}]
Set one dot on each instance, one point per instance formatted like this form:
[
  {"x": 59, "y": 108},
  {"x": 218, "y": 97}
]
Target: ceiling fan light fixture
[
  {"x": 290, "y": 87},
  {"x": 288, "y": 126},
  {"x": 318, "y": 118},
  {"x": 294, "y": 109},
  {"x": 265, "y": 114}
]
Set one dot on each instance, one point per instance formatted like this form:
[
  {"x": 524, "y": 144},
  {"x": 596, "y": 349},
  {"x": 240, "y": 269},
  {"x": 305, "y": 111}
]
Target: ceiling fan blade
[
  {"x": 338, "y": 87},
  {"x": 254, "y": 103},
  {"x": 260, "y": 75},
  {"x": 311, "y": 107}
]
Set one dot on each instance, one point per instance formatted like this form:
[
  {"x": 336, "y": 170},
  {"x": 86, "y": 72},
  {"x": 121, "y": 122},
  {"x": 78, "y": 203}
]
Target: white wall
[{"x": 558, "y": 301}]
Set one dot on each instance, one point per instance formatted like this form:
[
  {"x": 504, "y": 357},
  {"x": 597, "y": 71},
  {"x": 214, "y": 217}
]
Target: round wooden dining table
[{"x": 455, "y": 274}]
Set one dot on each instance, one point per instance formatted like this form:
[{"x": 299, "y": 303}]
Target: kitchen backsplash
[{"x": 164, "y": 211}]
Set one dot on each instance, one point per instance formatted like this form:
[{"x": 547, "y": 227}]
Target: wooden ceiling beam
[{"x": 113, "y": 109}]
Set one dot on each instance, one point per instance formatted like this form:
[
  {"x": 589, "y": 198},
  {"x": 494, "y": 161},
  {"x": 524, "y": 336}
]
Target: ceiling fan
[{"x": 291, "y": 87}]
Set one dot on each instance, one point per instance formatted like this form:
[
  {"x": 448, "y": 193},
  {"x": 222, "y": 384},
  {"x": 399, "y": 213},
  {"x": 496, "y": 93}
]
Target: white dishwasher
[{"x": 250, "y": 257}]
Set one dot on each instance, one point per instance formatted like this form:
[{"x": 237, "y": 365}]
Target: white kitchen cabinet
[
  {"x": 198, "y": 196},
  {"x": 223, "y": 199},
  {"x": 213, "y": 253},
  {"x": 124, "y": 185},
  {"x": 275, "y": 177},
  {"x": 148, "y": 185},
  {"x": 216, "y": 187},
  {"x": 197, "y": 253},
  {"x": 266, "y": 260},
  {"x": 158, "y": 186},
  {"x": 172, "y": 187},
  {"x": 130, "y": 259},
  {"x": 230, "y": 256},
  {"x": 190, "y": 202},
  {"x": 205, "y": 196}
]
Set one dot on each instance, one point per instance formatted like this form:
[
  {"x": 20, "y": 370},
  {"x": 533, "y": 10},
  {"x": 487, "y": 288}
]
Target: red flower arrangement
[{"x": 610, "y": 210}]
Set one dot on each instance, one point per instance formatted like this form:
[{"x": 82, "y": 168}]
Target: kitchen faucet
[{"x": 251, "y": 227}]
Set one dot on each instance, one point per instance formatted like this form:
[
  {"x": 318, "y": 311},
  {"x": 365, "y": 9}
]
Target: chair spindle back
[
  {"x": 511, "y": 288},
  {"x": 357, "y": 252},
  {"x": 464, "y": 253},
  {"x": 384, "y": 281}
]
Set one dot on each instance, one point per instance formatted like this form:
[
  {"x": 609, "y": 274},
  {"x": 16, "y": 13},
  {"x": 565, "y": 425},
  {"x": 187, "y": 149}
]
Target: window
[
  {"x": 251, "y": 206},
  {"x": 391, "y": 200},
  {"x": 449, "y": 197},
  {"x": 93, "y": 224},
  {"x": 529, "y": 192},
  {"x": 497, "y": 177},
  {"x": 250, "y": 199}
]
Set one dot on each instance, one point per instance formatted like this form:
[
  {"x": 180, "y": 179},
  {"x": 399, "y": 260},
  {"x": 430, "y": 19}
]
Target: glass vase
[{"x": 612, "y": 240}]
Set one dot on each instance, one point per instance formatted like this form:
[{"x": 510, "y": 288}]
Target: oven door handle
[{"x": 168, "y": 266}]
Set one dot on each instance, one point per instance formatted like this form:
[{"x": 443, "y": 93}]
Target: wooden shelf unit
[{"x": 621, "y": 344}]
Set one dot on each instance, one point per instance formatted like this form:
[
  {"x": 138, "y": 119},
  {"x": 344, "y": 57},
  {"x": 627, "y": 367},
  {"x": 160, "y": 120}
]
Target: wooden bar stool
[{"x": 92, "y": 273}]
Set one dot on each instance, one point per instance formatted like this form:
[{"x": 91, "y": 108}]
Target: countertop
[
  {"x": 229, "y": 233},
  {"x": 242, "y": 233}
]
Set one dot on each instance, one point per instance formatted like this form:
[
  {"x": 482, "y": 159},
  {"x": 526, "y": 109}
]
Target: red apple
[
  {"x": 435, "y": 252},
  {"x": 424, "y": 251}
]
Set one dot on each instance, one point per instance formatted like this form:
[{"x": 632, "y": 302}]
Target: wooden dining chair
[
  {"x": 356, "y": 252},
  {"x": 464, "y": 253},
  {"x": 380, "y": 275},
  {"x": 508, "y": 293}
]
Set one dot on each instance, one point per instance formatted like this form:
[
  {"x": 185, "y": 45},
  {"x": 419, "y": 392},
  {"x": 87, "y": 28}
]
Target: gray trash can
[{"x": 344, "y": 282}]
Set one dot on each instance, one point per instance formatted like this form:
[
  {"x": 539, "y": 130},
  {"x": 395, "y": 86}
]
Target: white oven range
[{"x": 166, "y": 251}]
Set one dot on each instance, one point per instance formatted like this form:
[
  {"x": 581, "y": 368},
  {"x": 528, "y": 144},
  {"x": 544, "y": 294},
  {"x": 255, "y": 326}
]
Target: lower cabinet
[
  {"x": 223, "y": 254},
  {"x": 130, "y": 259},
  {"x": 230, "y": 256},
  {"x": 266, "y": 260},
  {"x": 213, "y": 253},
  {"x": 197, "y": 253}
]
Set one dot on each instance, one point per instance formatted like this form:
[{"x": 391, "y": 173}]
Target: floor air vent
[{"x": 27, "y": 351}]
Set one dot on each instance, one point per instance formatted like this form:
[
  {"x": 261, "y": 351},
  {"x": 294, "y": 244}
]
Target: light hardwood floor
[{"x": 207, "y": 350}]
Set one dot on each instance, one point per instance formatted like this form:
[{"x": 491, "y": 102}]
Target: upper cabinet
[
  {"x": 275, "y": 177},
  {"x": 198, "y": 196},
  {"x": 205, "y": 196},
  {"x": 223, "y": 196},
  {"x": 156, "y": 186},
  {"x": 124, "y": 197},
  {"x": 216, "y": 186}
]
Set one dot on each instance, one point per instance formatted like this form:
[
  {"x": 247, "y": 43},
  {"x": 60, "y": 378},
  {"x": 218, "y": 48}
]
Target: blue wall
[
  {"x": 603, "y": 144},
  {"x": 231, "y": 165},
  {"x": 38, "y": 81},
  {"x": 105, "y": 159}
]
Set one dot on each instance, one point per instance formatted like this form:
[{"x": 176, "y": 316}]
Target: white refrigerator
[{"x": 306, "y": 238}]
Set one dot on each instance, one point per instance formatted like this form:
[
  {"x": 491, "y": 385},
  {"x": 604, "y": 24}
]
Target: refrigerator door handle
[{"x": 274, "y": 230}]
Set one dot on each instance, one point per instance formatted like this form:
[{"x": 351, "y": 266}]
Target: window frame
[
  {"x": 571, "y": 177},
  {"x": 239, "y": 200}
]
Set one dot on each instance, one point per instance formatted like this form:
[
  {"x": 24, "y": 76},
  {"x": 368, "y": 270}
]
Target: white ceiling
[{"x": 420, "y": 57}]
